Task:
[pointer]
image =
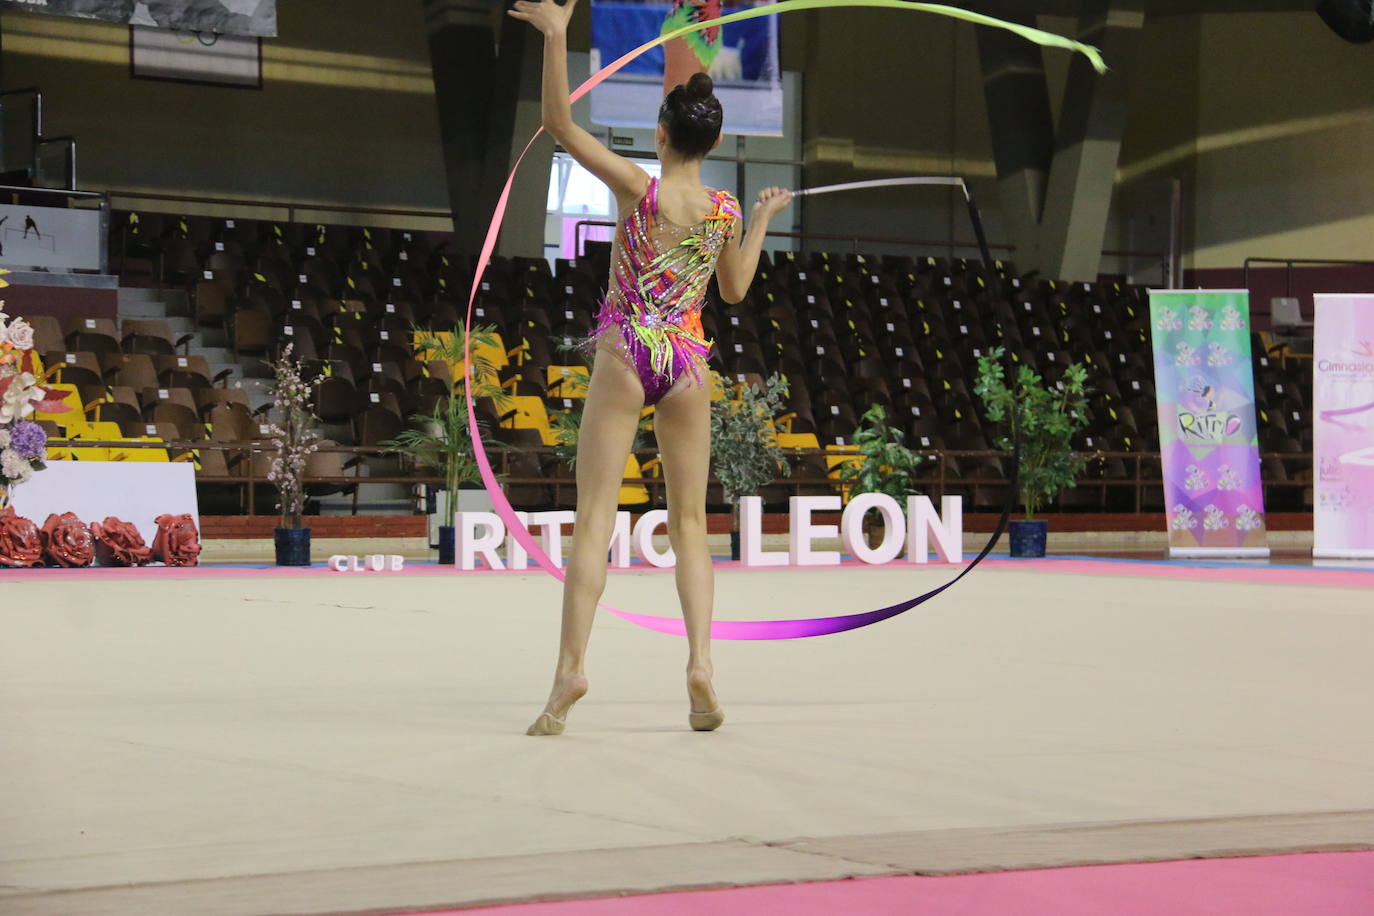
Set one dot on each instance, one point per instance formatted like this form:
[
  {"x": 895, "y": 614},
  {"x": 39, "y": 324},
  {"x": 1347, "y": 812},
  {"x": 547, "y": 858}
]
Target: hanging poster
[
  {"x": 741, "y": 58},
  {"x": 231, "y": 17}
]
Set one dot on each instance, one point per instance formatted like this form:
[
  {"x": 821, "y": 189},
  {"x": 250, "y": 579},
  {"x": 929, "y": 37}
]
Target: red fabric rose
[
  {"x": 118, "y": 543},
  {"x": 20, "y": 542},
  {"x": 177, "y": 542},
  {"x": 67, "y": 541}
]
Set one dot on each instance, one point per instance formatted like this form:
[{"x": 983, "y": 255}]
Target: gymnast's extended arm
[
  {"x": 735, "y": 269},
  {"x": 625, "y": 179}
]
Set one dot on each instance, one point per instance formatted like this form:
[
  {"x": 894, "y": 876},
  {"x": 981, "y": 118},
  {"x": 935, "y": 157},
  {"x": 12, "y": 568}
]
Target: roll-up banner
[
  {"x": 1208, "y": 439},
  {"x": 1343, "y": 426}
]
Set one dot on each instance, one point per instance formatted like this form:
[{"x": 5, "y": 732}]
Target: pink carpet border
[{"x": 1328, "y": 883}]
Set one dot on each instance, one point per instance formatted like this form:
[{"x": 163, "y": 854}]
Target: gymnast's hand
[
  {"x": 549, "y": 17},
  {"x": 770, "y": 202}
]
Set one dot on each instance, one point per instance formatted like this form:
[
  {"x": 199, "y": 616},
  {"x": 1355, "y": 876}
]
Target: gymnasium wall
[
  {"x": 1264, "y": 117},
  {"x": 346, "y": 114},
  {"x": 892, "y": 93}
]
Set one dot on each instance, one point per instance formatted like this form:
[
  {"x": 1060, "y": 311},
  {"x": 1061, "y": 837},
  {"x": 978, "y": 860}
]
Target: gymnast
[{"x": 649, "y": 350}]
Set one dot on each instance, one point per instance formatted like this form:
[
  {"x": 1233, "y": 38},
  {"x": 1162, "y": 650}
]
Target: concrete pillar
[
  {"x": 1088, "y": 145},
  {"x": 1022, "y": 126},
  {"x": 462, "y": 48},
  {"x": 515, "y": 117},
  {"x": 1056, "y": 186}
]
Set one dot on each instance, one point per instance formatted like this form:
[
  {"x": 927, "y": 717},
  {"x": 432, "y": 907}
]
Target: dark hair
[{"x": 691, "y": 115}]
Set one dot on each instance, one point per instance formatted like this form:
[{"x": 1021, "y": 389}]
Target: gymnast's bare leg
[
  {"x": 609, "y": 420},
  {"x": 682, "y": 424}
]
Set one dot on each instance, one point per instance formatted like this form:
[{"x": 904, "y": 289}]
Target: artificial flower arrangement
[
  {"x": 23, "y": 443},
  {"x": 63, "y": 540}
]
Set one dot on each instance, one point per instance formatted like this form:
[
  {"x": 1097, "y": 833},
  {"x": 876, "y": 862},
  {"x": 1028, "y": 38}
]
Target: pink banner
[{"x": 1343, "y": 418}]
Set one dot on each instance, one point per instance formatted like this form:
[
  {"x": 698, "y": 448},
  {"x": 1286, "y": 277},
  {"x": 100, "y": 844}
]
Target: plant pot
[
  {"x": 1028, "y": 538},
  {"x": 446, "y": 545},
  {"x": 293, "y": 546}
]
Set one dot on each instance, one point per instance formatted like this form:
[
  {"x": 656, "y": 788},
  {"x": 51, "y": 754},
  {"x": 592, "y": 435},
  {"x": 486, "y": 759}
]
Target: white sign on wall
[
  {"x": 197, "y": 57},
  {"x": 56, "y": 238}
]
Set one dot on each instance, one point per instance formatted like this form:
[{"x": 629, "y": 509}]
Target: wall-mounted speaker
[{"x": 1353, "y": 20}]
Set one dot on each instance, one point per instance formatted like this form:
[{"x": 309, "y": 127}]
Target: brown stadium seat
[
  {"x": 74, "y": 368},
  {"x": 230, "y": 422},
  {"x": 118, "y": 404},
  {"x": 250, "y": 333},
  {"x": 47, "y": 333},
  {"x": 173, "y": 405},
  {"x": 186, "y": 372},
  {"x": 378, "y": 423},
  {"x": 134, "y": 370},
  {"x": 92, "y": 335},
  {"x": 208, "y": 398},
  {"x": 152, "y": 336},
  {"x": 212, "y": 301}
]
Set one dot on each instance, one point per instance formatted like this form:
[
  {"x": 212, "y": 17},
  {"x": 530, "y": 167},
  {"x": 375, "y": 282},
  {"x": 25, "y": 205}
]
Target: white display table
[{"x": 133, "y": 491}]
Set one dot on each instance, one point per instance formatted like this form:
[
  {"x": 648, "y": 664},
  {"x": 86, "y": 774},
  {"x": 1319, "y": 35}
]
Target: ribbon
[{"x": 729, "y": 629}]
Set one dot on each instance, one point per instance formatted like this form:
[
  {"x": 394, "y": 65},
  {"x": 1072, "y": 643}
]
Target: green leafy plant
[
  {"x": 744, "y": 450},
  {"x": 441, "y": 438},
  {"x": 1045, "y": 418},
  {"x": 567, "y": 426},
  {"x": 885, "y": 465}
]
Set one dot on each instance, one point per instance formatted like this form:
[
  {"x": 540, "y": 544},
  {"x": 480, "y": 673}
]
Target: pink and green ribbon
[{"x": 727, "y": 629}]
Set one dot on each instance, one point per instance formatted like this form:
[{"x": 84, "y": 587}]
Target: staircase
[{"x": 254, "y": 376}]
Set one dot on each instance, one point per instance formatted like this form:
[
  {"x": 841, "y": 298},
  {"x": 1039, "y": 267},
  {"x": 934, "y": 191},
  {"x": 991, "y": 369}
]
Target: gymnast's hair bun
[
  {"x": 700, "y": 87},
  {"x": 692, "y": 116}
]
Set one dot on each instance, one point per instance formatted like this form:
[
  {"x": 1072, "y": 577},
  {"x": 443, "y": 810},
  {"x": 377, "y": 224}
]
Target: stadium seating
[{"x": 846, "y": 329}]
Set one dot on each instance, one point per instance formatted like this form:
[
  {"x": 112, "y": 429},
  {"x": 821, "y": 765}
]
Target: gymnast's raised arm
[{"x": 625, "y": 179}]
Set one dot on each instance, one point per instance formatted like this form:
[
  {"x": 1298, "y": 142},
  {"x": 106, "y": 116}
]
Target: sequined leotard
[{"x": 659, "y": 272}]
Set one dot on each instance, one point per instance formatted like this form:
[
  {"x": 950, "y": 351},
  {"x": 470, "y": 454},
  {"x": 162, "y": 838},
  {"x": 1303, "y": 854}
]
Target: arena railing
[
  {"x": 291, "y": 208},
  {"x": 855, "y": 241},
  {"x": 1288, "y": 264},
  {"x": 986, "y": 493}
]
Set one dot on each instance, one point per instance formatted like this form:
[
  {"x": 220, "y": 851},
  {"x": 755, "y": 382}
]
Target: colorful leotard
[{"x": 659, "y": 272}]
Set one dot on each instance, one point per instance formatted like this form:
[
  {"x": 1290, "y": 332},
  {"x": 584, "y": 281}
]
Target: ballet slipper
[
  {"x": 706, "y": 721},
  {"x": 547, "y": 724}
]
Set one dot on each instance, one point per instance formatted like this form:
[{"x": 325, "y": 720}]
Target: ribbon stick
[
  {"x": 724, "y": 629},
  {"x": 937, "y": 180}
]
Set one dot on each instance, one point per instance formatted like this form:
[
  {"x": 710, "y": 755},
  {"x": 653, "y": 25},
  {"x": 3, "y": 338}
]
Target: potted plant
[
  {"x": 1045, "y": 419},
  {"x": 441, "y": 438},
  {"x": 293, "y": 440},
  {"x": 744, "y": 448},
  {"x": 885, "y": 465}
]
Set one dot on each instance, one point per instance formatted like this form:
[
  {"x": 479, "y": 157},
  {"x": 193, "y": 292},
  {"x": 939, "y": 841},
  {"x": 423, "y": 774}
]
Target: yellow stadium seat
[
  {"x": 633, "y": 494},
  {"x": 495, "y": 354},
  {"x": 568, "y": 381},
  {"x": 798, "y": 440},
  {"x": 529, "y": 413},
  {"x": 73, "y": 420},
  {"x": 140, "y": 454},
  {"x": 837, "y": 456}
]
